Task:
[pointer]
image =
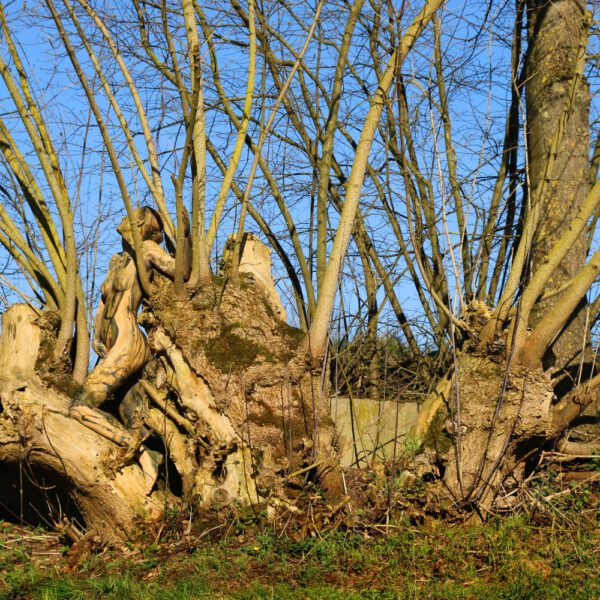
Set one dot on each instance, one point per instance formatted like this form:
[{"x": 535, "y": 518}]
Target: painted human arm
[
  {"x": 98, "y": 344},
  {"x": 158, "y": 258}
]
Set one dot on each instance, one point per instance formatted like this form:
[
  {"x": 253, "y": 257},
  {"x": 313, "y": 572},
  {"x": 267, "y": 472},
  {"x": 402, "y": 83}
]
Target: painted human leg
[{"x": 121, "y": 362}]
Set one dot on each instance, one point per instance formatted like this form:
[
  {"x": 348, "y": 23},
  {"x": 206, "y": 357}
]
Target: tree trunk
[
  {"x": 484, "y": 421},
  {"x": 238, "y": 414},
  {"x": 240, "y": 369},
  {"x": 498, "y": 416},
  {"x": 35, "y": 430},
  {"x": 558, "y": 107}
]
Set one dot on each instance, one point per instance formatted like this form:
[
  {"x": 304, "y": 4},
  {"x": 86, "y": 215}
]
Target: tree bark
[
  {"x": 236, "y": 409},
  {"x": 558, "y": 104},
  {"x": 498, "y": 416}
]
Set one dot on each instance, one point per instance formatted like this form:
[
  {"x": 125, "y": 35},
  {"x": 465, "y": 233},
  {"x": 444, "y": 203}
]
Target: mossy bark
[
  {"x": 498, "y": 416},
  {"x": 558, "y": 110},
  {"x": 254, "y": 373}
]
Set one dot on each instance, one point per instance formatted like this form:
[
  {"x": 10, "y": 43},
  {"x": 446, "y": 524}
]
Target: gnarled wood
[
  {"x": 243, "y": 417},
  {"x": 238, "y": 483},
  {"x": 35, "y": 428}
]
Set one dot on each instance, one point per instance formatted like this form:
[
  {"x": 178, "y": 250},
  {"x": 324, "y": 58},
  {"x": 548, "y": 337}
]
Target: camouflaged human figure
[{"x": 118, "y": 340}]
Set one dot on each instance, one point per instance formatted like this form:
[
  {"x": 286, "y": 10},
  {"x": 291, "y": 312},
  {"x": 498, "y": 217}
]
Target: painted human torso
[{"x": 122, "y": 295}]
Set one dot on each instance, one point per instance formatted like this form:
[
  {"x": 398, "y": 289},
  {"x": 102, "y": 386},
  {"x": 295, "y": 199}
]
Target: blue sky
[{"x": 476, "y": 46}]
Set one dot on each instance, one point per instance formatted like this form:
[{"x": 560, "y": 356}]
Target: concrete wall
[{"x": 370, "y": 429}]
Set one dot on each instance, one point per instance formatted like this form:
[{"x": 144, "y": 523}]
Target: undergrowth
[{"x": 514, "y": 557}]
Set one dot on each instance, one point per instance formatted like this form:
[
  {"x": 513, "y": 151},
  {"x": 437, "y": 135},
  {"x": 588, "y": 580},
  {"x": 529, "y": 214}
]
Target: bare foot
[{"x": 96, "y": 421}]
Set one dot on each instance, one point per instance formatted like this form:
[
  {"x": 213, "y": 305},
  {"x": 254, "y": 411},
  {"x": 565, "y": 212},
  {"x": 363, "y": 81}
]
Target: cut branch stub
[{"x": 20, "y": 340}]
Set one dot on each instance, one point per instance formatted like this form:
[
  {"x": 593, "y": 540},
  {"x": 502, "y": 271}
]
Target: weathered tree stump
[
  {"x": 234, "y": 406},
  {"x": 35, "y": 429}
]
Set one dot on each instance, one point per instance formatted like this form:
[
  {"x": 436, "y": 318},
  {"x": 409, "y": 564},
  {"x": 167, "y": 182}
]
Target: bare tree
[
  {"x": 475, "y": 233},
  {"x": 237, "y": 396},
  {"x": 508, "y": 392}
]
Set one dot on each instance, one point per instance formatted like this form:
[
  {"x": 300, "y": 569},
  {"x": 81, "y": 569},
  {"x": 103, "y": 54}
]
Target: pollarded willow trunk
[
  {"x": 225, "y": 351},
  {"x": 237, "y": 414},
  {"x": 558, "y": 113},
  {"x": 499, "y": 417},
  {"x": 485, "y": 421},
  {"x": 558, "y": 132},
  {"x": 498, "y": 412}
]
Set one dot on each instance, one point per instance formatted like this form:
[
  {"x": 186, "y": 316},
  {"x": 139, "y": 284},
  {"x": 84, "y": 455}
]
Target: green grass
[{"x": 511, "y": 558}]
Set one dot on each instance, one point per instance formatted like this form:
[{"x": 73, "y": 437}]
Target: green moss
[
  {"x": 232, "y": 352},
  {"x": 293, "y": 335},
  {"x": 268, "y": 307},
  {"x": 55, "y": 373}
]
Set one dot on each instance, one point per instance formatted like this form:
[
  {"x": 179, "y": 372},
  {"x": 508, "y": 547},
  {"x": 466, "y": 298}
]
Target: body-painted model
[{"x": 118, "y": 340}]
